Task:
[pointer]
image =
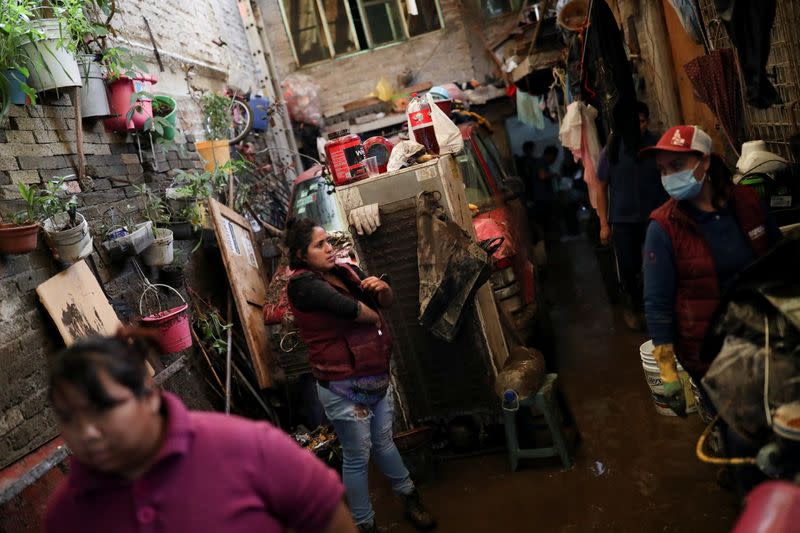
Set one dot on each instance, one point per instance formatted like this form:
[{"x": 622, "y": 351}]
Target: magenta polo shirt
[{"x": 214, "y": 473}]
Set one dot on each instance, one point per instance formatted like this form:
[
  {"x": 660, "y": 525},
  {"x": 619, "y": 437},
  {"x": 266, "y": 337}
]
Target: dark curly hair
[
  {"x": 297, "y": 239},
  {"x": 121, "y": 356}
]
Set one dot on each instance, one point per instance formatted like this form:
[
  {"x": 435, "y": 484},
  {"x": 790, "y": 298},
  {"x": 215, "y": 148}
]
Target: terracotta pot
[
  {"x": 215, "y": 153},
  {"x": 15, "y": 239}
]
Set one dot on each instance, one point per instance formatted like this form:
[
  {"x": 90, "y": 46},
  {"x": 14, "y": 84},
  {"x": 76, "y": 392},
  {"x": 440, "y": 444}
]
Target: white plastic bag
[
  {"x": 401, "y": 153},
  {"x": 447, "y": 133}
]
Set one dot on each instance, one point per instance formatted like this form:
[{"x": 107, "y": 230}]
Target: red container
[
  {"x": 173, "y": 328},
  {"x": 16, "y": 239},
  {"x": 421, "y": 124},
  {"x": 119, "y": 101},
  {"x": 445, "y": 105},
  {"x": 346, "y": 157}
]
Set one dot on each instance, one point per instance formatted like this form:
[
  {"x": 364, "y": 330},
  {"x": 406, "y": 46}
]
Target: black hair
[
  {"x": 528, "y": 145},
  {"x": 298, "y": 239},
  {"x": 122, "y": 357},
  {"x": 721, "y": 179},
  {"x": 551, "y": 150},
  {"x": 642, "y": 109}
]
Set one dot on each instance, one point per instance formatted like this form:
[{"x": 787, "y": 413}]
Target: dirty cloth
[
  {"x": 268, "y": 483},
  {"x": 529, "y": 110},
  {"x": 749, "y": 24},
  {"x": 362, "y": 430},
  {"x": 578, "y": 134},
  {"x": 452, "y": 266}
]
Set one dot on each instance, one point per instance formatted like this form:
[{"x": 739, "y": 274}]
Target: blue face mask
[{"x": 683, "y": 185}]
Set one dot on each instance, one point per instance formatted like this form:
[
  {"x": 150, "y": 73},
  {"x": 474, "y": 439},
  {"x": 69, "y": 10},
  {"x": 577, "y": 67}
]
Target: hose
[{"x": 718, "y": 460}]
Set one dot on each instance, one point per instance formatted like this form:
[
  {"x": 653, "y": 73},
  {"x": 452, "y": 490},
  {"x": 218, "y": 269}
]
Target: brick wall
[{"x": 455, "y": 53}]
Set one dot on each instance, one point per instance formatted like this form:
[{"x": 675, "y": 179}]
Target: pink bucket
[
  {"x": 173, "y": 325},
  {"x": 120, "y": 92}
]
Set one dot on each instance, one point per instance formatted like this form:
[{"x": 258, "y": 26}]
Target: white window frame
[{"x": 326, "y": 34}]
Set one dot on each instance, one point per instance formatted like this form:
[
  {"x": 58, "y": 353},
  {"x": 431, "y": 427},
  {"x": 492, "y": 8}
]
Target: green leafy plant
[
  {"x": 120, "y": 61},
  {"x": 33, "y": 201},
  {"x": 55, "y": 200},
  {"x": 154, "y": 208},
  {"x": 15, "y": 30},
  {"x": 217, "y": 113}
]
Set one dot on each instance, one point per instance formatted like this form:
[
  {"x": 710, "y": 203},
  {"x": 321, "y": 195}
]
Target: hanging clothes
[
  {"x": 716, "y": 84},
  {"x": 578, "y": 134},
  {"x": 749, "y": 24},
  {"x": 599, "y": 70},
  {"x": 529, "y": 110},
  {"x": 690, "y": 18}
]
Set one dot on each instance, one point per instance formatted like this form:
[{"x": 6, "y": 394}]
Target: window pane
[
  {"x": 312, "y": 201},
  {"x": 384, "y": 21},
  {"x": 339, "y": 26},
  {"x": 427, "y": 20},
  {"x": 306, "y": 29},
  {"x": 475, "y": 184}
]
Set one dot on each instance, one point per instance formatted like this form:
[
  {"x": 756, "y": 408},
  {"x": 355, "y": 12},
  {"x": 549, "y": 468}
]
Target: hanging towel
[
  {"x": 578, "y": 134},
  {"x": 529, "y": 110}
]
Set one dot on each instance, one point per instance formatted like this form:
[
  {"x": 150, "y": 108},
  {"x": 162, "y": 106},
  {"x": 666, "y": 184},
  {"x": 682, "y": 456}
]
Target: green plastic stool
[{"x": 545, "y": 401}]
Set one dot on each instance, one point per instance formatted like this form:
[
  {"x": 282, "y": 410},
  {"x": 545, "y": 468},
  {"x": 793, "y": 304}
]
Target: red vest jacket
[
  {"x": 698, "y": 292},
  {"x": 340, "y": 348}
]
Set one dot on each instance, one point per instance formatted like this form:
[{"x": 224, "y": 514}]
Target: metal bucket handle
[{"x": 152, "y": 286}]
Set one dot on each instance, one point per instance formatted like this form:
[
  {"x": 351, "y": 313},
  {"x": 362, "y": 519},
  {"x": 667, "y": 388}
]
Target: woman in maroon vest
[
  {"x": 696, "y": 243},
  {"x": 337, "y": 310}
]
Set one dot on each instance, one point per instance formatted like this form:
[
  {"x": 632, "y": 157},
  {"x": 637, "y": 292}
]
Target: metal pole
[{"x": 228, "y": 356}]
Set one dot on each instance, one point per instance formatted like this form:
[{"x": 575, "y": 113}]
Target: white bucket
[
  {"x": 94, "y": 99},
  {"x": 72, "y": 244},
  {"x": 653, "y": 376},
  {"x": 160, "y": 253},
  {"x": 51, "y": 66}
]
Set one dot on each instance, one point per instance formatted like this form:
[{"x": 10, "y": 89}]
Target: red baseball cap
[{"x": 681, "y": 139}]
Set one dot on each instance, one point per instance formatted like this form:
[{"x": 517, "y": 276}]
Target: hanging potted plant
[
  {"x": 165, "y": 117},
  {"x": 14, "y": 31},
  {"x": 20, "y": 236},
  {"x": 126, "y": 239},
  {"x": 172, "y": 324},
  {"x": 52, "y": 43},
  {"x": 129, "y": 98},
  {"x": 66, "y": 230},
  {"x": 218, "y": 117},
  {"x": 94, "y": 98},
  {"x": 160, "y": 253}
]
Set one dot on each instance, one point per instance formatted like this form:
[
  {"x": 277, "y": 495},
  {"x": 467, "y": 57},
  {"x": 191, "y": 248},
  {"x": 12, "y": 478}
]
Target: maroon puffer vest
[
  {"x": 340, "y": 348},
  {"x": 698, "y": 292}
]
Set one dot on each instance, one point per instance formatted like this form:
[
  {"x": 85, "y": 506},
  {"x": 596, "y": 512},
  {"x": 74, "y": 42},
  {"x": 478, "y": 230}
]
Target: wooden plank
[
  {"x": 75, "y": 301},
  {"x": 237, "y": 245}
]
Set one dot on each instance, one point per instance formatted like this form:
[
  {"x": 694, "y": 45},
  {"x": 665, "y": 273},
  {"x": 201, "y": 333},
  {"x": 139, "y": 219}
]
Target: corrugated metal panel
[{"x": 436, "y": 378}]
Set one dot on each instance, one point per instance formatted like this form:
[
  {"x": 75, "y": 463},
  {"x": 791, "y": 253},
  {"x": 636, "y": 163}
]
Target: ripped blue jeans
[{"x": 362, "y": 429}]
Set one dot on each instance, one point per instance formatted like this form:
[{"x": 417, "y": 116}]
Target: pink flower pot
[{"x": 119, "y": 101}]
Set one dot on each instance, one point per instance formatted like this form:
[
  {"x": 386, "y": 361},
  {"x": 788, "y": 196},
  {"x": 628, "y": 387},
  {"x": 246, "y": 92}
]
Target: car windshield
[
  {"x": 312, "y": 200},
  {"x": 474, "y": 181}
]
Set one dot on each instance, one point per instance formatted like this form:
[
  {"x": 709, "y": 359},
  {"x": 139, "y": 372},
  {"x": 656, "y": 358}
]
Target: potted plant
[
  {"x": 218, "y": 118},
  {"x": 128, "y": 90},
  {"x": 160, "y": 253},
  {"x": 165, "y": 116},
  {"x": 20, "y": 236},
  {"x": 171, "y": 325},
  {"x": 52, "y": 42},
  {"x": 94, "y": 98},
  {"x": 67, "y": 230},
  {"x": 127, "y": 239},
  {"x": 15, "y": 29}
]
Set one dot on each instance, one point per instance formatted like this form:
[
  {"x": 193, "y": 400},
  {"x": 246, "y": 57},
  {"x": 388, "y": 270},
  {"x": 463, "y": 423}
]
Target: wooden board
[
  {"x": 75, "y": 301},
  {"x": 78, "y": 306},
  {"x": 237, "y": 245}
]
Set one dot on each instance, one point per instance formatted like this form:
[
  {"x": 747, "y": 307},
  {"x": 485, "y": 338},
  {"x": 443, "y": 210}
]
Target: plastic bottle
[
  {"x": 346, "y": 157},
  {"x": 421, "y": 123},
  {"x": 510, "y": 400}
]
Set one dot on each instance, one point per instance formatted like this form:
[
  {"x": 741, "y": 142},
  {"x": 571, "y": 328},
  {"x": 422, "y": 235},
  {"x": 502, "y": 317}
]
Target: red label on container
[{"x": 420, "y": 119}]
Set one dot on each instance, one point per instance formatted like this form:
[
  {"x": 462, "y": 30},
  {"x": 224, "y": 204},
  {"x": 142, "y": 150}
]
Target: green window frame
[{"x": 320, "y": 30}]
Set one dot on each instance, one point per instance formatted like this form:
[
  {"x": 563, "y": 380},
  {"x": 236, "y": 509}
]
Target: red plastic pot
[
  {"x": 119, "y": 102},
  {"x": 172, "y": 325},
  {"x": 15, "y": 239}
]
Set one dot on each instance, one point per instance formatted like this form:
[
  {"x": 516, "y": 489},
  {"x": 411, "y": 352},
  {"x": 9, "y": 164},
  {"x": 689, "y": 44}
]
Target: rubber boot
[{"x": 416, "y": 513}]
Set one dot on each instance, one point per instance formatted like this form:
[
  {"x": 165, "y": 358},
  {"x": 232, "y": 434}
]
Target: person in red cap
[{"x": 696, "y": 243}]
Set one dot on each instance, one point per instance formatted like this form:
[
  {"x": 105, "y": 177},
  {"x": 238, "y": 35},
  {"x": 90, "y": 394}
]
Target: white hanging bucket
[
  {"x": 94, "y": 99},
  {"x": 71, "y": 244},
  {"x": 160, "y": 253},
  {"x": 51, "y": 65}
]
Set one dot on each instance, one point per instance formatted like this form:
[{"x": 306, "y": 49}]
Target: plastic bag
[
  {"x": 384, "y": 90},
  {"x": 447, "y": 133},
  {"x": 403, "y": 154},
  {"x": 523, "y": 372},
  {"x": 529, "y": 111},
  {"x": 302, "y": 99}
]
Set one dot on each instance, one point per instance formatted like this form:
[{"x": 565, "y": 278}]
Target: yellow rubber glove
[{"x": 673, "y": 388}]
